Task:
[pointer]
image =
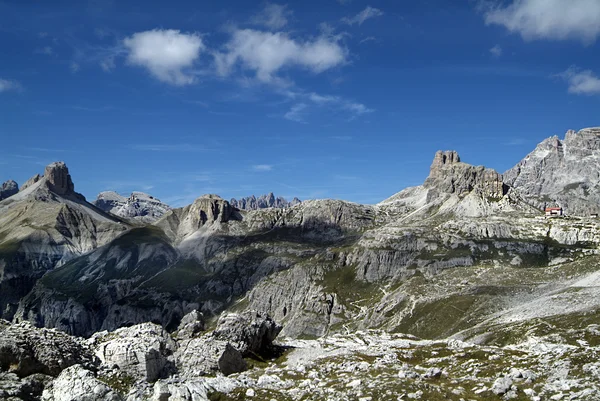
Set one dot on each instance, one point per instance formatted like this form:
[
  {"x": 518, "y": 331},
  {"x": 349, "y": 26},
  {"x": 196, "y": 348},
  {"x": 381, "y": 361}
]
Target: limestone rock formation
[
  {"x": 263, "y": 202},
  {"x": 449, "y": 175},
  {"x": 191, "y": 325},
  {"x": 9, "y": 188},
  {"x": 26, "y": 350},
  {"x": 250, "y": 332},
  {"x": 561, "y": 173},
  {"x": 140, "y": 351},
  {"x": 58, "y": 179},
  {"x": 138, "y": 206},
  {"x": 79, "y": 384},
  {"x": 31, "y": 181},
  {"x": 204, "y": 356},
  {"x": 41, "y": 229}
]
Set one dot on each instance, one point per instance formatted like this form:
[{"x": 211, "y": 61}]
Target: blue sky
[{"x": 316, "y": 99}]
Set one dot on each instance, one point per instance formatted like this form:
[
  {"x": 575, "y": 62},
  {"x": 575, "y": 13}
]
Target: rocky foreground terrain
[{"x": 460, "y": 288}]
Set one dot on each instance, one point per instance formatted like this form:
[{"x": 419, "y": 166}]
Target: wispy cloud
[
  {"x": 167, "y": 54},
  {"x": 74, "y": 67},
  {"x": 9, "y": 85},
  {"x": 273, "y": 16},
  {"x": 296, "y": 113},
  {"x": 496, "y": 51},
  {"x": 262, "y": 167},
  {"x": 108, "y": 64},
  {"x": 548, "y": 19},
  {"x": 581, "y": 82},
  {"x": 337, "y": 101},
  {"x": 367, "y": 13}
]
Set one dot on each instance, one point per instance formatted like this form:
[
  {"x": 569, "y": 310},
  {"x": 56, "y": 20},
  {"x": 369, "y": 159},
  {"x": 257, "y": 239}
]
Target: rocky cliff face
[
  {"x": 449, "y": 175},
  {"x": 58, "y": 179},
  {"x": 561, "y": 172},
  {"x": 262, "y": 202},
  {"x": 9, "y": 188},
  {"x": 138, "y": 206}
]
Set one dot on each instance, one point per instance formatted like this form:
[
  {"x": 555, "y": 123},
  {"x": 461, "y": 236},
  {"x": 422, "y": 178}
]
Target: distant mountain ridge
[
  {"x": 262, "y": 202},
  {"x": 138, "y": 206}
]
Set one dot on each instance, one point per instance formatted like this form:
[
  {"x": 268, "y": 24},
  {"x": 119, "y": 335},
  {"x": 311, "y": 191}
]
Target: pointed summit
[{"x": 58, "y": 179}]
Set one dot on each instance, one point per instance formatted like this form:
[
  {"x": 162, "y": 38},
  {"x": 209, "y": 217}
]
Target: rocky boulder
[
  {"x": 250, "y": 332},
  {"x": 25, "y": 350},
  {"x": 8, "y": 189},
  {"x": 141, "y": 351},
  {"x": 205, "y": 356},
  {"x": 79, "y": 384},
  {"x": 58, "y": 179},
  {"x": 191, "y": 325}
]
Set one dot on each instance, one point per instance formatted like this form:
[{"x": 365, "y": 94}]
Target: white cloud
[
  {"x": 267, "y": 53},
  {"x": 166, "y": 53},
  {"x": 581, "y": 82},
  {"x": 369, "y": 12},
  {"x": 549, "y": 19},
  {"x": 337, "y": 101},
  {"x": 9, "y": 85},
  {"x": 262, "y": 167},
  {"x": 273, "y": 16},
  {"x": 296, "y": 113},
  {"x": 496, "y": 51}
]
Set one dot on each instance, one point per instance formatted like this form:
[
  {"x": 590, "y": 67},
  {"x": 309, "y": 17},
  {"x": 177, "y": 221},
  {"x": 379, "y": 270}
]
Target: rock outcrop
[
  {"x": 191, "y": 325},
  {"x": 79, "y": 384},
  {"x": 262, "y": 202},
  {"x": 138, "y": 206},
  {"x": 449, "y": 175},
  {"x": 58, "y": 179},
  {"x": 8, "y": 189},
  {"x": 561, "y": 173},
  {"x": 26, "y": 350},
  {"x": 140, "y": 351},
  {"x": 31, "y": 181},
  {"x": 250, "y": 332}
]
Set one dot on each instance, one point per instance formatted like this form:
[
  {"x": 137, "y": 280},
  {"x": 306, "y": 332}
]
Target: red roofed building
[{"x": 554, "y": 211}]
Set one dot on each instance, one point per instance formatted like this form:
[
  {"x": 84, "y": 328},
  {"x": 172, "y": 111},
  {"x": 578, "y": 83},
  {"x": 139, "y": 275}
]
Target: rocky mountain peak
[
  {"x": 449, "y": 175},
  {"x": 9, "y": 188},
  {"x": 443, "y": 158},
  {"x": 31, "y": 181},
  {"x": 210, "y": 208},
  {"x": 562, "y": 172},
  {"x": 58, "y": 178}
]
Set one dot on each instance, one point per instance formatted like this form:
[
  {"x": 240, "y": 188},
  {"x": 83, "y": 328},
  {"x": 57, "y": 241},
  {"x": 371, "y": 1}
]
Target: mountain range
[{"x": 468, "y": 255}]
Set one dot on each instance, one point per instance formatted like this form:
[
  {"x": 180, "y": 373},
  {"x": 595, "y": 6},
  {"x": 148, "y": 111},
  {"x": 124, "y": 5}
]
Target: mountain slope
[
  {"x": 562, "y": 173},
  {"x": 43, "y": 226},
  {"x": 316, "y": 266}
]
